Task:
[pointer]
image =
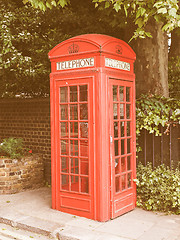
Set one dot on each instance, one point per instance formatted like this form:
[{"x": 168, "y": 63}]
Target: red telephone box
[{"x": 93, "y": 127}]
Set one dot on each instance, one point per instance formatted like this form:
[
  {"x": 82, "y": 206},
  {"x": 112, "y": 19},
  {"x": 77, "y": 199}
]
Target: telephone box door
[
  {"x": 122, "y": 143},
  {"x": 74, "y": 134}
]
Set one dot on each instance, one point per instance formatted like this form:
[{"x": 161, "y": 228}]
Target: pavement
[{"x": 31, "y": 210}]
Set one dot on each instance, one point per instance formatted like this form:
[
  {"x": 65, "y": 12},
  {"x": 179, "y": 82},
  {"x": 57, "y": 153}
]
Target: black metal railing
[{"x": 164, "y": 149}]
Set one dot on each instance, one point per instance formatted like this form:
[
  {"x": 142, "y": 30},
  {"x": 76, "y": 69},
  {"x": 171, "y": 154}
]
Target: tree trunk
[
  {"x": 175, "y": 45},
  {"x": 174, "y": 66},
  {"x": 151, "y": 66}
]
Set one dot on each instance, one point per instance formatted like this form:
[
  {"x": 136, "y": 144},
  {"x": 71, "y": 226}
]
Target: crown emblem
[
  {"x": 119, "y": 49},
  {"x": 74, "y": 48}
]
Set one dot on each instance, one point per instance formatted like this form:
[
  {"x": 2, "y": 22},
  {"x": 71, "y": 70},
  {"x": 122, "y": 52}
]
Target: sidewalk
[{"x": 31, "y": 210}]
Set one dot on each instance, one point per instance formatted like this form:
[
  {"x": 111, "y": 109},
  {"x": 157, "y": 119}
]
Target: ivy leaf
[
  {"x": 143, "y": 10},
  {"x": 107, "y": 4},
  {"x": 157, "y": 120},
  {"x": 40, "y": 5},
  {"x": 139, "y": 22},
  {"x": 48, "y": 5},
  {"x": 148, "y": 34},
  {"x": 172, "y": 12},
  {"x": 96, "y": 5},
  {"x": 138, "y": 14},
  {"x": 117, "y": 6},
  {"x": 63, "y": 3},
  {"x": 158, "y": 4},
  {"x": 162, "y": 10},
  {"x": 157, "y": 18},
  {"x": 54, "y": 3},
  {"x": 168, "y": 26}
]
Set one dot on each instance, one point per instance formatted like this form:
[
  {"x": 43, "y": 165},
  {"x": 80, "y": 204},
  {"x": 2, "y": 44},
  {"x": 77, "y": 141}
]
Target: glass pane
[
  {"x": 75, "y": 183},
  {"x": 128, "y": 145},
  {"x": 128, "y": 129},
  {"x": 117, "y": 184},
  {"x": 65, "y": 164},
  {"x": 128, "y": 111},
  {"x": 74, "y": 165},
  {"x": 123, "y": 181},
  {"x": 122, "y": 147},
  {"x": 83, "y": 111},
  {"x": 122, "y": 129},
  {"x": 116, "y": 147},
  {"x": 121, "y": 93},
  {"x": 115, "y": 113},
  {"x": 74, "y": 179},
  {"x": 64, "y": 182},
  {"x": 121, "y": 111},
  {"x": 129, "y": 180},
  {"x": 114, "y": 93},
  {"x": 129, "y": 163},
  {"x": 127, "y": 94},
  {"x": 84, "y": 129},
  {"x": 84, "y": 167},
  {"x": 64, "y": 130},
  {"x": 64, "y": 112},
  {"x": 83, "y": 93},
  {"x": 64, "y": 147},
  {"x": 115, "y": 129},
  {"x": 84, "y": 185},
  {"x": 84, "y": 148},
  {"x": 74, "y": 147},
  {"x": 74, "y": 112},
  {"x": 73, "y": 94},
  {"x": 123, "y": 164},
  {"x": 74, "y": 129},
  {"x": 117, "y": 165},
  {"x": 63, "y": 94}
]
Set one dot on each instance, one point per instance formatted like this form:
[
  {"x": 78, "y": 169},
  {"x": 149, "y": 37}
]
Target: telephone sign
[{"x": 78, "y": 63}]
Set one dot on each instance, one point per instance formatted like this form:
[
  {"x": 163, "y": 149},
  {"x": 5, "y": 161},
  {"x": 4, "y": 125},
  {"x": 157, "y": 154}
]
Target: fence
[
  {"x": 164, "y": 149},
  {"x": 30, "y": 119}
]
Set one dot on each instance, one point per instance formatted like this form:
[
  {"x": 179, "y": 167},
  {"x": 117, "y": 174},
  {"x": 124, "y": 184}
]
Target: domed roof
[{"x": 90, "y": 43}]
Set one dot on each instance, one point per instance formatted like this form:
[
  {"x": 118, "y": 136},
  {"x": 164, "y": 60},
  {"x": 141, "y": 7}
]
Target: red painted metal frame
[
  {"x": 123, "y": 200},
  {"x": 99, "y": 203},
  {"x": 74, "y": 201}
]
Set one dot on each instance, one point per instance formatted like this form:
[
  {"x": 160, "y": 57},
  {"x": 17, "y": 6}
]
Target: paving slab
[
  {"x": 157, "y": 233},
  {"x": 127, "y": 228},
  {"x": 31, "y": 210},
  {"x": 87, "y": 234}
]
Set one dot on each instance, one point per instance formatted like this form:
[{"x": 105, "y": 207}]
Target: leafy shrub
[
  {"x": 12, "y": 147},
  {"x": 153, "y": 111},
  {"x": 158, "y": 189}
]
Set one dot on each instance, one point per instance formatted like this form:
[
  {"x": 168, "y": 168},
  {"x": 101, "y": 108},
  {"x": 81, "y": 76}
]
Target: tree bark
[
  {"x": 174, "y": 65},
  {"x": 151, "y": 66},
  {"x": 175, "y": 45}
]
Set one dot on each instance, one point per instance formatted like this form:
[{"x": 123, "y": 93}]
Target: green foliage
[
  {"x": 23, "y": 51},
  {"x": 26, "y": 37},
  {"x": 174, "y": 77},
  {"x": 158, "y": 189},
  {"x": 43, "y": 4},
  {"x": 12, "y": 147},
  {"x": 155, "y": 111},
  {"x": 142, "y": 12}
]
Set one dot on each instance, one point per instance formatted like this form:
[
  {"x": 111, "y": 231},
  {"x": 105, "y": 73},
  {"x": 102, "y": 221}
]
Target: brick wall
[
  {"x": 30, "y": 120},
  {"x": 17, "y": 175}
]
